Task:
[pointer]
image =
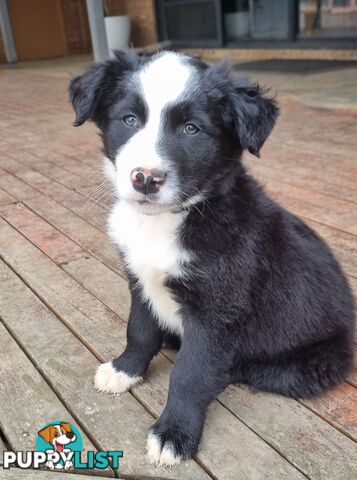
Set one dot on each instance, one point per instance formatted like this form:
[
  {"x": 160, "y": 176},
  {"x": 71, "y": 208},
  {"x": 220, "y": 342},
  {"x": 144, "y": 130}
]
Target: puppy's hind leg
[
  {"x": 144, "y": 340},
  {"x": 306, "y": 373}
]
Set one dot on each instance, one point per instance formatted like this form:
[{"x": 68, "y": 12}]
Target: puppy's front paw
[
  {"x": 109, "y": 380},
  {"x": 169, "y": 446}
]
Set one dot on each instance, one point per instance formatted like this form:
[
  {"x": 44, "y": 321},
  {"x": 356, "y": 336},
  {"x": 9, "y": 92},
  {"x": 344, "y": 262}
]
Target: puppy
[
  {"x": 58, "y": 436},
  {"x": 250, "y": 292}
]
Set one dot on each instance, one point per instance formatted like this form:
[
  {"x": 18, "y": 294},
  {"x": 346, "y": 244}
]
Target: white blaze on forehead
[{"x": 163, "y": 80}]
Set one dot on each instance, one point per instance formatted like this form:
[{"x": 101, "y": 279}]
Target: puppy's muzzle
[{"x": 147, "y": 181}]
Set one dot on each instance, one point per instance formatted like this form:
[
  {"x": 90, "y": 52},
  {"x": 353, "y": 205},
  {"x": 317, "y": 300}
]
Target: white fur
[
  {"x": 161, "y": 82},
  {"x": 109, "y": 170},
  {"x": 153, "y": 253},
  {"x": 150, "y": 243},
  {"x": 109, "y": 380},
  {"x": 160, "y": 457}
]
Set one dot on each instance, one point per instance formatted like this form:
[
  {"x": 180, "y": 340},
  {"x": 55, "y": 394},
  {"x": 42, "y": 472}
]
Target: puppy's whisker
[{"x": 103, "y": 188}]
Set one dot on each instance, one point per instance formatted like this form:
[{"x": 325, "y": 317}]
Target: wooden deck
[{"x": 64, "y": 299}]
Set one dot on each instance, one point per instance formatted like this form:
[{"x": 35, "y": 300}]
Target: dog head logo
[
  {"x": 58, "y": 435},
  {"x": 60, "y": 440}
]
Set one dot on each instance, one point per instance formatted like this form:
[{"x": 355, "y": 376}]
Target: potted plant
[{"x": 117, "y": 28}]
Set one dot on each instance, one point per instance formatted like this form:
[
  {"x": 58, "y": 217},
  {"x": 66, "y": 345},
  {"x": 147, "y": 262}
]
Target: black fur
[{"x": 265, "y": 302}]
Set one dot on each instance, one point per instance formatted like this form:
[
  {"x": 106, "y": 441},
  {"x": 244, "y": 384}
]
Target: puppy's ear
[
  {"x": 46, "y": 433},
  {"x": 254, "y": 113},
  {"x": 87, "y": 91},
  {"x": 66, "y": 426}
]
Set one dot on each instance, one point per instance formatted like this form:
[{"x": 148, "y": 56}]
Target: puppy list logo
[
  {"x": 59, "y": 445},
  {"x": 59, "y": 440}
]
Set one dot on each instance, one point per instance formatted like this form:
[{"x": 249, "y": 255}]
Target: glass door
[
  {"x": 258, "y": 20},
  {"x": 327, "y": 19}
]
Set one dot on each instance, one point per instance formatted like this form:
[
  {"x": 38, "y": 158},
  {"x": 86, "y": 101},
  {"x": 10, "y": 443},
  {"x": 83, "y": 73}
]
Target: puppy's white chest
[{"x": 153, "y": 254}]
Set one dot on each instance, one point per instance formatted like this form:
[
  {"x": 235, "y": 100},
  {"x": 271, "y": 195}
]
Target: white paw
[
  {"x": 109, "y": 380},
  {"x": 160, "y": 457}
]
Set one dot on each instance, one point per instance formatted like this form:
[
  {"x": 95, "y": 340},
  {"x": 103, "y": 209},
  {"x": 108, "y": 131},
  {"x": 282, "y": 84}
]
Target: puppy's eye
[
  {"x": 191, "y": 129},
  {"x": 130, "y": 120},
  {"x": 56, "y": 434}
]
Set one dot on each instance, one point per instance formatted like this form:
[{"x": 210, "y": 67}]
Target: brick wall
[
  {"x": 143, "y": 21},
  {"x": 142, "y": 14},
  {"x": 76, "y": 25}
]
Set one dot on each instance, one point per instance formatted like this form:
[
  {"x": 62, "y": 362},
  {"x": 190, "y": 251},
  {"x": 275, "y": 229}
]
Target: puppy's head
[
  {"x": 58, "y": 435},
  {"x": 173, "y": 127}
]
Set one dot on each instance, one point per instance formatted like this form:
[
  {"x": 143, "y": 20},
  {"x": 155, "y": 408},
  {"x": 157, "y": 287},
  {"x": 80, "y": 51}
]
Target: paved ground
[{"x": 64, "y": 300}]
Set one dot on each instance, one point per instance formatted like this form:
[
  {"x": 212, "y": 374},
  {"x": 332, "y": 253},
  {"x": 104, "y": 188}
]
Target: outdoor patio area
[{"x": 64, "y": 299}]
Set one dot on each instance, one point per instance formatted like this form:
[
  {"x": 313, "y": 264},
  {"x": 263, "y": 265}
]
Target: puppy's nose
[
  {"x": 147, "y": 181},
  {"x": 70, "y": 435}
]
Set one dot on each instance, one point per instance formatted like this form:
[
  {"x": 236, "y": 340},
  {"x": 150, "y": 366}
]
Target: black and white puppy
[{"x": 253, "y": 295}]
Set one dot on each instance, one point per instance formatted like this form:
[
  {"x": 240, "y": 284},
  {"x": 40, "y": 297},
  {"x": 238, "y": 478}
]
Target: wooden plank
[
  {"x": 62, "y": 175},
  {"x": 88, "y": 270},
  {"x": 6, "y": 198},
  {"x": 12, "y": 165},
  {"x": 90, "y": 238},
  {"x": 328, "y": 148},
  {"x": 52, "y": 242},
  {"x": 3, "y": 448},
  {"x": 15, "y": 187},
  {"x": 93, "y": 213},
  {"x": 18, "y": 474},
  {"x": 320, "y": 208},
  {"x": 303, "y": 177},
  {"x": 41, "y": 158},
  {"x": 339, "y": 407},
  {"x": 88, "y": 171},
  {"x": 87, "y": 155},
  {"x": 33, "y": 403},
  {"x": 68, "y": 366},
  {"x": 316, "y": 448},
  {"x": 325, "y": 163},
  {"x": 106, "y": 334},
  {"x": 73, "y": 302},
  {"x": 77, "y": 203}
]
